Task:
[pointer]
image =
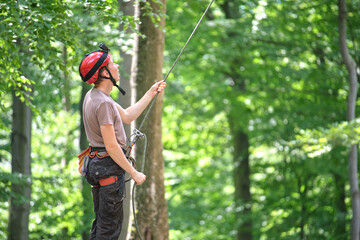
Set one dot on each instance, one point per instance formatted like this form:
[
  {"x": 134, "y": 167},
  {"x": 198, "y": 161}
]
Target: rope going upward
[
  {"x": 177, "y": 59},
  {"x": 137, "y": 132}
]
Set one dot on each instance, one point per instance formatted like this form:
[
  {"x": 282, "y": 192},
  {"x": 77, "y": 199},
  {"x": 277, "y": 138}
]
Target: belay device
[{"x": 137, "y": 134}]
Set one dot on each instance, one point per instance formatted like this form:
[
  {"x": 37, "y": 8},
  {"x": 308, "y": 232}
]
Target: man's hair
[{"x": 99, "y": 79}]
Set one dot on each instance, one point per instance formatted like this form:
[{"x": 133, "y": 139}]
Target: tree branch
[{"x": 348, "y": 60}]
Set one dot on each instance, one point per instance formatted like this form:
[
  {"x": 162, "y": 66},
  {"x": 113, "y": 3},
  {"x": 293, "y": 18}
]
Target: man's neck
[{"x": 105, "y": 88}]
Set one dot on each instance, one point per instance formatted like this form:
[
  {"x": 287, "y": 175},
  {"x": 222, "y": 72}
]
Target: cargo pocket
[
  {"x": 97, "y": 172},
  {"x": 112, "y": 196}
]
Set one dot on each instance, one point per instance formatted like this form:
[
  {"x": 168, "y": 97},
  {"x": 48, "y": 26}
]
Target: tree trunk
[
  {"x": 66, "y": 99},
  {"x": 66, "y": 89},
  {"x": 129, "y": 8},
  {"x": 240, "y": 142},
  {"x": 87, "y": 203},
  {"x": 152, "y": 211},
  {"x": 242, "y": 181},
  {"x": 303, "y": 193},
  {"x": 339, "y": 198},
  {"x": 21, "y": 163},
  {"x": 351, "y": 103}
]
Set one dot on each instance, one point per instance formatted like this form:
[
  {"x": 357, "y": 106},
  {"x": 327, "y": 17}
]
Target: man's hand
[
  {"x": 157, "y": 87},
  {"x": 138, "y": 177}
]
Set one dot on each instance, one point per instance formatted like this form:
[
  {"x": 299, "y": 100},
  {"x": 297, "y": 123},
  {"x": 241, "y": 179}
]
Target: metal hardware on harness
[
  {"x": 133, "y": 139},
  {"x": 137, "y": 134}
]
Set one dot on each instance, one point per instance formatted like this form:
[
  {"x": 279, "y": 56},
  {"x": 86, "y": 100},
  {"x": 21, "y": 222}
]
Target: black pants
[{"x": 108, "y": 200}]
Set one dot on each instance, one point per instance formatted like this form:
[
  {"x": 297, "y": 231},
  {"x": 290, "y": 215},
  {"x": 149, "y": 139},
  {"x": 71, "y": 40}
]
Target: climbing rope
[
  {"x": 137, "y": 134},
  {"x": 177, "y": 59},
  {"x": 134, "y": 186}
]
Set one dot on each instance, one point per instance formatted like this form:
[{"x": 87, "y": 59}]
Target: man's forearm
[{"x": 135, "y": 110}]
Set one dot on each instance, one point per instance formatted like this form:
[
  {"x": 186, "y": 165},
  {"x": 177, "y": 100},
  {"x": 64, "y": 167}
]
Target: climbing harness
[{"x": 137, "y": 134}]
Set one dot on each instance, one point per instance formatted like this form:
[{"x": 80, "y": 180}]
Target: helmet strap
[{"x": 113, "y": 81}]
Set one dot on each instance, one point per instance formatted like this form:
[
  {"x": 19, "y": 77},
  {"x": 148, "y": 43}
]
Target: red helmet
[{"x": 91, "y": 64}]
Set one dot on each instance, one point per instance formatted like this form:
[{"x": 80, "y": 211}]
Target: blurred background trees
[{"x": 255, "y": 132}]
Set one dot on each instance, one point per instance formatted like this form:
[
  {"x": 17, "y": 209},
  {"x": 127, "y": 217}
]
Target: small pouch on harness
[
  {"x": 86, "y": 161},
  {"x": 83, "y": 161}
]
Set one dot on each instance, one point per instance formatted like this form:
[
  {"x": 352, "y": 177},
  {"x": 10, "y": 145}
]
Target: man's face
[{"x": 114, "y": 70}]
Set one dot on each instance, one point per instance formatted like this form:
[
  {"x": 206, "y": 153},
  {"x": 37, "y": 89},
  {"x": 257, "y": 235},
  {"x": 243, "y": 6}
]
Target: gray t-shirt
[{"x": 100, "y": 109}]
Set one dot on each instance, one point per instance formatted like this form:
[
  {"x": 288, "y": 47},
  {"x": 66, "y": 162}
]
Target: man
[{"x": 103, "y": 121}]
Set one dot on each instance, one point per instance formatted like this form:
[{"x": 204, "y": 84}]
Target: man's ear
[{"x": 105, "y": 73}]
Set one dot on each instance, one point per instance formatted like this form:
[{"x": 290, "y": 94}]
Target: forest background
[{"x": 259, "y": 129}]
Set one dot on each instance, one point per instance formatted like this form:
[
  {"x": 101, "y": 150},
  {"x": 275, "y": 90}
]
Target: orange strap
[
  {"x": 84, "y": 153},
  {"x": 87, "y": 152},
  {"x": 107, "y": 181},
  {"x": 96, "y": 154},
  {"x": 81, "y": 158}
]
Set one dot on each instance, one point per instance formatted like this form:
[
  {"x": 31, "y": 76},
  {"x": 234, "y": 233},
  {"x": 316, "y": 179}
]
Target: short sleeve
[{"x": 105, "y": 113}]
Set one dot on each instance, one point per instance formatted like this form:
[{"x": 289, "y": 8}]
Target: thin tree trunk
[
  {"x": 351, "y": 103},
  {"x": 87, "y": 203},
  {"x": 152, "y": 212},
  {"x": 242, "y": 181},
  {"x": 66, "y": 89},
  {"x": 340, "y": 226},
  {"x": 21, "y": 163},
  {"x": 129, "y": 9},
  {"x": 303, "y": 215},
  {"x": 67, "y": 107}
]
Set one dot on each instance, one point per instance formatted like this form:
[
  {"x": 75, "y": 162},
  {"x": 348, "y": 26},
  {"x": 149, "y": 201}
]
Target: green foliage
[
  {"x": 147, "y": 10},
  {"x": 197, "y": 176},
  {"x": 6, "y": 179},
  {"x": 275, "y": 68},
  {"x": 272, "y": 66},
  {"x": 31, "y": 27},
  {"x": 33, "y": 38},
  {"x": 41, "y": 28},
  {"x": 56, "y": 208},
  {"x": 316, "y": 142},
  {"x": 293, "y": 193}
]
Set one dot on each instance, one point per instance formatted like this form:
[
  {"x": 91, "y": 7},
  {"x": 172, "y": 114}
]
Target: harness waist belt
[
  {"x": 102, "y": 149},
  {"x": 98, "y": 149},
  {"x": 108, "y": 181}
]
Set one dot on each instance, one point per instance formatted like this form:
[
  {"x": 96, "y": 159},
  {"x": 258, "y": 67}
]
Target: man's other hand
[{"x": 138, "y": 177}]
